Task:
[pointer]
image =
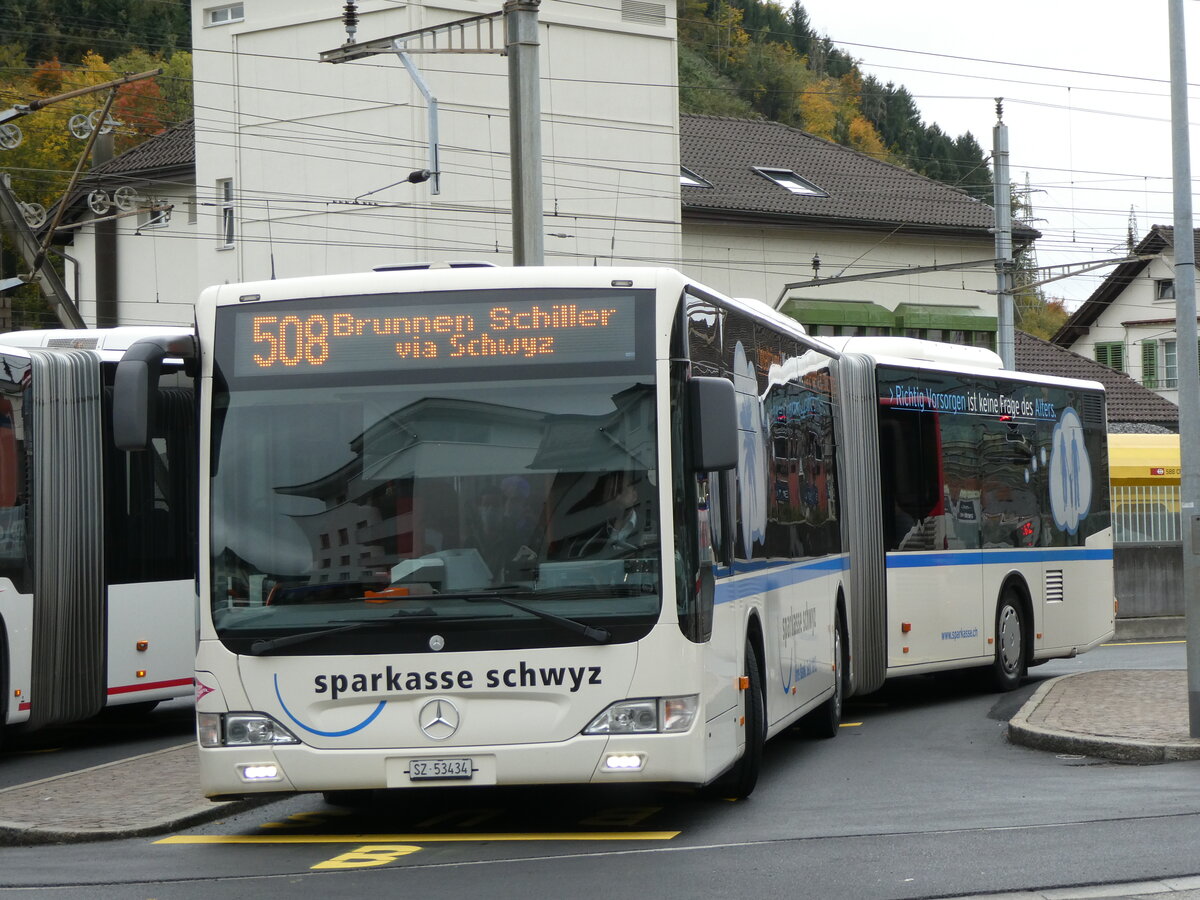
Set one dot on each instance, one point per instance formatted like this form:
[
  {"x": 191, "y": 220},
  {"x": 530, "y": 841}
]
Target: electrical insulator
[{"x": 350, "y": 18}]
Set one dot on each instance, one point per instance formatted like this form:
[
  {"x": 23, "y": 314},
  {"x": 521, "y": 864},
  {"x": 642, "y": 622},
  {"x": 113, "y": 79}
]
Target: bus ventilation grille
[
  {"x": 1092, "y": 410},
  {"x": 1054, "y": 584}
]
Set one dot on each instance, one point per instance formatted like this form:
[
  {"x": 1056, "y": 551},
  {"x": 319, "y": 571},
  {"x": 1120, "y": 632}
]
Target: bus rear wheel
[
  {"x": 1009, "y": 664},
  {"x": 738, "y": 783}
]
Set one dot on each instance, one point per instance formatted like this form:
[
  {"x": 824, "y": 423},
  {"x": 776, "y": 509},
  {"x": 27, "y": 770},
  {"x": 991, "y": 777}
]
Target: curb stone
[
  {"x": 1087, "y": 737},
  {"x": 135, "y": 797}
]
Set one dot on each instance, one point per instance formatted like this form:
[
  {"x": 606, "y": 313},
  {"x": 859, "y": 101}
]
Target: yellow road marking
[
  {"x": 849, "y": 724},
  {"x": 415, "y": 838},
  {"x": 1140, "y": 643},
  {"x": 368, "y": 856}
]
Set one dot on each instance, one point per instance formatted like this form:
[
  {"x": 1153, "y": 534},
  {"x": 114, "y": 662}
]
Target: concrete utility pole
[
  {"x": 474, "y": 35},
  {"x": 525, "y": 130},
  {"x": 1189, "y": 365},
  {"x": 1002, "y": 200}
]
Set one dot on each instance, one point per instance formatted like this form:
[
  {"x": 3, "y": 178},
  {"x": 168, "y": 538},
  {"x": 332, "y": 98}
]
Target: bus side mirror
[
  {"x": 135, "y": 387},
  {"x": 714, "y": 423}
]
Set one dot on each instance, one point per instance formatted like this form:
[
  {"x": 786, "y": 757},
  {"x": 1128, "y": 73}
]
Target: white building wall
[
  {"x": 757, "y": 261},
  {"x": 301, "y": 140}
]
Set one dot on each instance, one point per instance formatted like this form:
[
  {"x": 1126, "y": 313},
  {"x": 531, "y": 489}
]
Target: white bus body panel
[
  {"x": 516, "y": 728},
  {"x": 946, "y": 619},
  {"x": 797, "y": 601},
  {"x": 16, "y": 614},
  {"x": 162, "y": 614}
]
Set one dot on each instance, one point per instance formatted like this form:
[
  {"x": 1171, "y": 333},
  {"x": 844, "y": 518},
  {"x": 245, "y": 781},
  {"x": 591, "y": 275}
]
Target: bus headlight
[
  {"x": 240, "y": 730},
  {"x": 655, "y": 715}
]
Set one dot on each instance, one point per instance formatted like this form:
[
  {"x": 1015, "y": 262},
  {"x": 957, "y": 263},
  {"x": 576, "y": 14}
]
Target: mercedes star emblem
[{"x": 438, "y": 719}]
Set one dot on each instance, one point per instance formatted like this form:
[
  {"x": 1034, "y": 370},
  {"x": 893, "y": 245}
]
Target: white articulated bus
[
  {"x": 478, "y": 526},
  {"x": 97, "y": 546}
]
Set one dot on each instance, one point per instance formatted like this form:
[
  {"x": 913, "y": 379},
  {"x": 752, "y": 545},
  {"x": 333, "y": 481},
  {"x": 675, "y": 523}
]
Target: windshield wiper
[
  {"x": 599, "y": 635},
  {"x": 258, "y": 648},
  {"x": 591, "y": 591}
]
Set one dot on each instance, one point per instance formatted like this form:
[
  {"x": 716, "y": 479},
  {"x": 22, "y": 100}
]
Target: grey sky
[{"x": 1086, "y": 99}]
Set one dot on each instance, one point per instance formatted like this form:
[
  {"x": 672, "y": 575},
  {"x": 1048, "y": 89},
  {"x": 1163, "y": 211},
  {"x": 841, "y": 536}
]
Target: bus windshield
[{"x": 482, "y": 513}]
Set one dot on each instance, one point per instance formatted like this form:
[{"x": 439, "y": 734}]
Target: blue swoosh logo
[{"x": 361, "y": 725}]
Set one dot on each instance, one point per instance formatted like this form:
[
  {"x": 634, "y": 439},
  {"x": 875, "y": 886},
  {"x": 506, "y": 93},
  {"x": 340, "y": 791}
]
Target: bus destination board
[{"x": 361, "y": 334}]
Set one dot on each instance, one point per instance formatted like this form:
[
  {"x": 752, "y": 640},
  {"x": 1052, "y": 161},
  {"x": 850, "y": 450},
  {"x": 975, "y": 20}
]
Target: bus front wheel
[
  {"x": 1009, "y": 665},
  {"x": 738, "y": 783}
]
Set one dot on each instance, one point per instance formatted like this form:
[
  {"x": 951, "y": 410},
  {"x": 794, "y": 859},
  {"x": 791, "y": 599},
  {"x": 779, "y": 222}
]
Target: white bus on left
[{"x": 97, "y": 546}]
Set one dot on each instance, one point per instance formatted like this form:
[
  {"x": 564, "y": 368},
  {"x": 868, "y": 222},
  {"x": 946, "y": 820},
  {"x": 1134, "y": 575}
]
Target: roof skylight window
[
  {"x": 789, "y": 180},
  {"x": 688, "y": 178}
]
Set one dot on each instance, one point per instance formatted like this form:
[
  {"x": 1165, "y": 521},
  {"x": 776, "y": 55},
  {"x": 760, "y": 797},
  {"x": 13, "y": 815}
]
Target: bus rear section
[
  {"x": 462, "y": 528},
  {"x": 993, "y": 515}
]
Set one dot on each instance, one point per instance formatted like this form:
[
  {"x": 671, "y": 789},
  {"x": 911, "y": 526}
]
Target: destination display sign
[{"x": 360, "y": 335}]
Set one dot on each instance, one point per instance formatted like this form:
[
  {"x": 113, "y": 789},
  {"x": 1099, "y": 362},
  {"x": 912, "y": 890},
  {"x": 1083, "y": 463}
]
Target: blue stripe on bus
[
  {"x": 767, "y": 576},
  {"x": 922, "y": 560}
]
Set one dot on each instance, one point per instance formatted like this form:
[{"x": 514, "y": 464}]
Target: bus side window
[
  {"x": 962, "y": 446},
  {"x": 909, "y": 474}
]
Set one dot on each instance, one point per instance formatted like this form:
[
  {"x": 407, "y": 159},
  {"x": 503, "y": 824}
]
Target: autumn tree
[{"x": 40, "y": 166}]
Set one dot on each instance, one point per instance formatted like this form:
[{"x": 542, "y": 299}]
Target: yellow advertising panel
[{"x": 1143, "y": 459}]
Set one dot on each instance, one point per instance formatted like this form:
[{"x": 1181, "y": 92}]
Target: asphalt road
[{"x": 919, "y": 796}]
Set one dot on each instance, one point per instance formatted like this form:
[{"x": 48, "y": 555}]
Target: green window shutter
[
  {"x": 1111, "y": 354},
  {"x": 1150, "y": 364}
]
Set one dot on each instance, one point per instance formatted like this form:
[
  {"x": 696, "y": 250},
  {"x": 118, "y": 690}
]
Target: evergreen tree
[{"x": 69, "y": 29}]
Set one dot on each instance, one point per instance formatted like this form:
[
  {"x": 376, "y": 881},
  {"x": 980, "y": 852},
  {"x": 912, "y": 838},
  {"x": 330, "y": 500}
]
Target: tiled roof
[
  {"x": 857, "y": 188},
  {"x": 1129, "y": 403},
  {"x": 175, "y": 148}
]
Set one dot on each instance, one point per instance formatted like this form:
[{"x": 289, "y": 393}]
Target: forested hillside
[
  {"x": 68, "y": 30},
  {"x": 756, "y": 58}
]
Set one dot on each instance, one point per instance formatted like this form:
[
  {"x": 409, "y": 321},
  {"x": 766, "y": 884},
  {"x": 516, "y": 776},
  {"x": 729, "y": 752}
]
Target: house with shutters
[
  {"x": 1128, "y": 323},
  {"x": 1132, "y": 408}
]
